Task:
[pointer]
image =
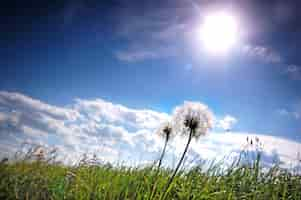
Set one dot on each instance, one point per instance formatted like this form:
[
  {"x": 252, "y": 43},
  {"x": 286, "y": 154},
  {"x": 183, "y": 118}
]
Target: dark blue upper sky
[{"x": 144, "y": 54}]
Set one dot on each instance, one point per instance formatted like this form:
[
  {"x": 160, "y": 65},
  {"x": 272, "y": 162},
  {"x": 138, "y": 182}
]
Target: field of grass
[{"x": 44, "y": 180}]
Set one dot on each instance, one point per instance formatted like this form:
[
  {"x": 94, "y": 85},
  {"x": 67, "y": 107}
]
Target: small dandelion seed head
[
  {"x": 165, "y": 130},
  {"x": 193, "y": 116}
]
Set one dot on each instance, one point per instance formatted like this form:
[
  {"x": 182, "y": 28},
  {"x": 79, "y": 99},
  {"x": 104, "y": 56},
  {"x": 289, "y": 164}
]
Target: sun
[{"x": 219, "y": 32}]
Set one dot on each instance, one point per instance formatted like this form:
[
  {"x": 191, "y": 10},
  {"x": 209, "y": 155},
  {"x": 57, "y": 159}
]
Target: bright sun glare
[{"x": 219, "y": 32}]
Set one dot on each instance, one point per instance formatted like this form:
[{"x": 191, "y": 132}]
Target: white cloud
[
  {"x": 294, "y": 72},
  {"x": 262, "y": 53},
  {"x": 268, "y": 55},
  {"x": 136, "y": 55},
  {"x": 293, "y": 112},
  {"x": 227, "y": 122},
  {"x": 115, "y": 132},
  {"x": 83, "y": 127},
  {"x": 153, "y": 34},
  {"x": 16, "y": 101},
  {"x": 283, "y": 112},
  {"x": 146, "y": 52}
]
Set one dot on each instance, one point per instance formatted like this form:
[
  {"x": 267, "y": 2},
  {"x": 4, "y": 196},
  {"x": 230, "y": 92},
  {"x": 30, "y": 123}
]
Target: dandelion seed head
[
  {"x": 193, "y": 116},
  {"x": 165, "y": 130}
]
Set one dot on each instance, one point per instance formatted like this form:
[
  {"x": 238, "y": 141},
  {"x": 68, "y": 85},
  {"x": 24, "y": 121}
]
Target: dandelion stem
[
  {"x": 163, "y": 153},
  {"x": 179, "y": 164},
  {"x": 159, "y": 165}
]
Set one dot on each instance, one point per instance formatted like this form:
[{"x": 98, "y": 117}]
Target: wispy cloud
[
  {"x": 294, "y": 112},
  {"x": 294, "y": 72},
  {"x": 115, "y": 132},
  {"x": 142, "y": 53},
  {"x": 153, "y": 34},
  {"x": 262, "y": 53},
  {"x": 270, "y": 56},
  {"x": 132, "y": 56}
]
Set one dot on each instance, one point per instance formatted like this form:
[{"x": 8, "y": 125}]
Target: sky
[{"x": 118, "y": 68}]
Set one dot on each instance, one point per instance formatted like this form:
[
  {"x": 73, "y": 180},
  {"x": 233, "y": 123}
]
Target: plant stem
[
  {"x": 158, "y": 168},
  {"x": 178, "y": 166},
  {"x": 163, "y": 153}
]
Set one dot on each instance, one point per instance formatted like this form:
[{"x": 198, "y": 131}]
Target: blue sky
[{"x": 146, "y": 55}]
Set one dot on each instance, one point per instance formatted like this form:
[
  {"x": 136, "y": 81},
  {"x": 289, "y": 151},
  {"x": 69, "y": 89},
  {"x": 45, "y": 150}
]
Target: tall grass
[{"x": 43, "y": 179}]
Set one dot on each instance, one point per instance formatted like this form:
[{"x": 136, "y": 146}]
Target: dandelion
[
  {"x": 193, "y": 119},
  {"x": 39, "y": 153},
  {"x": 165, "y": 131}
]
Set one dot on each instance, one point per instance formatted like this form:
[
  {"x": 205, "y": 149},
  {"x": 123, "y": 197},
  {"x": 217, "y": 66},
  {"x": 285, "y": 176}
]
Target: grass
[{"x": 47, "y": 180}]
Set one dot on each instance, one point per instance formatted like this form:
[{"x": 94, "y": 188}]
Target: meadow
[{"x": 45, "y": 179}]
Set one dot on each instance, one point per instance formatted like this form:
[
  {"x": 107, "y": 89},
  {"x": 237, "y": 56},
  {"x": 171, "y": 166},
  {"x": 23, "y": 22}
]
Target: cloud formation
[
  {"x": 227, "y": 122},
  {"x": 294, "y": 112},
  {"x": 145, "y": 52},
  {"x": 154, "y": 33},
  {"x": 116, "y": 133},
  {"x": 270, "y": 56},
  {"x": 263, "y": 54},
  {"x": 294, "y": 72}
]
